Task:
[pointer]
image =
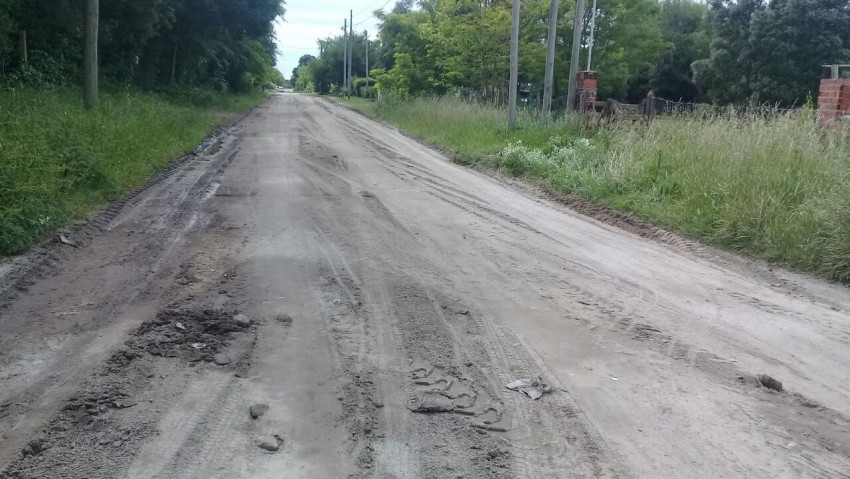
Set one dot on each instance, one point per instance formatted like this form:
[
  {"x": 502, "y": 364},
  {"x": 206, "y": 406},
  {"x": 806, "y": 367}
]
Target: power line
[
  {"x": 367, "y": 8},
  {"x": 361, "y": 22}
]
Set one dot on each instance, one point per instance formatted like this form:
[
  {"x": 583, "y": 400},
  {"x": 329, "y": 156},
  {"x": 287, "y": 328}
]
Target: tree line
[
  {"x": 719, "y": 51},
  {"x": 225, "y": 45}
]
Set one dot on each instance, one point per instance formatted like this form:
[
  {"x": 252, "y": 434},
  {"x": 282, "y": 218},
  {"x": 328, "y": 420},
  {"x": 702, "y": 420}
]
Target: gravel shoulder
[{"x": 322, "y": 296}]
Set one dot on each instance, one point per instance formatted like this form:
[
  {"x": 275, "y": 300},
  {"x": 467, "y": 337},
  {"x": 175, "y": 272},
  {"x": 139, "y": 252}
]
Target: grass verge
[
  {"x": 58, "y": 161},
  {"x": 774, "y": 187}
]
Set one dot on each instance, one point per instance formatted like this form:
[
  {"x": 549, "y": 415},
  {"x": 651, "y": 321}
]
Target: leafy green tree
[
  {"x": 628, "y": 41},
  {"x": 790, "y": 41},
  {"x": 775, "y": 48},
  {"x": 303, "y": 61},
  {"x": 686, "y": 40},
  {"x": 224, "y": 44},
  {"x": 727, "y": 73},
  {"x": 402, "y": 80},
  {"x": 468, "y": 43}
]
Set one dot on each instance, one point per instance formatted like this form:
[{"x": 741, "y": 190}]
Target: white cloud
[{"x": 309, "y": 20}]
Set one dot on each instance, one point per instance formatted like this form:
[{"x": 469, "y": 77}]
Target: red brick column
[{"x": 834, "y": 100}]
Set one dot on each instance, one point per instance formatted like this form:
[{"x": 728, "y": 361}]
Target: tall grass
[
  {"x": 775, "y": 186},
  {"x": 57, "y": 161},
  {"x": 472, "y": 130}
]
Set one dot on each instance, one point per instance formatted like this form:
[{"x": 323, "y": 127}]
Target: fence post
[
  {"x": 608, "y": 112},
  {"x": 754, "y": 102},
  {"x": 650, "y": 106}
]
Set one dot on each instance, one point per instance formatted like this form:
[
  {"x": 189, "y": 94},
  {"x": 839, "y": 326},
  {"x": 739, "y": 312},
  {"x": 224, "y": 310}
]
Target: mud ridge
[
  {"x": 24, "y": 270},
  {"x": 102, "y": 425}
]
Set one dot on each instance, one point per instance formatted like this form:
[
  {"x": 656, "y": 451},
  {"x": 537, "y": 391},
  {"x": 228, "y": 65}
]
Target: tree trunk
[{"x": 90, "y": 55}]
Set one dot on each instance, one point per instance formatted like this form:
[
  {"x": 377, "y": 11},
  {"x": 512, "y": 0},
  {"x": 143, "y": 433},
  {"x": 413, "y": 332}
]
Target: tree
[
  {"x": 303, "y": 61},
  {"x": 8, "y": 27},
  {"x": 402, "y": 80},
  {"x": 90, "y": 55},
  {"x": 727, "y": 73},
  {"x": 628, "y": 42},
  {"x": 468, "y": 44},
  {"x": 790, "y": 41},
  {"x": 227, "y": 45},
  {"x": 775, "y": 48},
  {"x": 686, "y": 40}
]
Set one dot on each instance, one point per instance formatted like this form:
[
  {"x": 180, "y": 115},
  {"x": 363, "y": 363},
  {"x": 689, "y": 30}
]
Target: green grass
[
  {"x": 472, "y": 131},
  {"x": 776, "y": 188},
  {"x": 58, "y": 161}
]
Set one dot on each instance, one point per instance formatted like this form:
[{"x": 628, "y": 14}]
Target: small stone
[
  {"x": 271, "y": 444},
  {"x": 283, "y": 319},
  {"x": 221, "y": 359},
  {"x": 241, "y": 320},
  {"x": 34, "y": 447},
  {"x": 257, "y": 410},
  {"x": 769, "y": 382}
]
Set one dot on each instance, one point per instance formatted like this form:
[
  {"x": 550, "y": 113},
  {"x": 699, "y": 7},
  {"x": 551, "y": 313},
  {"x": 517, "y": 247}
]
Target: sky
[{"x": 308, "y": 20}]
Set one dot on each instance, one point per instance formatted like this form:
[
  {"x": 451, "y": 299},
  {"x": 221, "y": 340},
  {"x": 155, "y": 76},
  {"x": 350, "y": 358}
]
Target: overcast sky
[{"x": 308, "y": 20}]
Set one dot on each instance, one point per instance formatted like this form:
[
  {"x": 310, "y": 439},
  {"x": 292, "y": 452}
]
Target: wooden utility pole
[
  {"x": 550, "y": 60},
  {"x": 512, "y": 87},
  {"x": 578, "y": 26},
  {"x": 22, "y": 47},
  {"x": 90, "y": 55},
  {"x": 345, "y": 55}
]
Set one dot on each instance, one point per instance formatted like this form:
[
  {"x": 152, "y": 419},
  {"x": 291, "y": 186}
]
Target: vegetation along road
[{"x": 314, "y": 294}]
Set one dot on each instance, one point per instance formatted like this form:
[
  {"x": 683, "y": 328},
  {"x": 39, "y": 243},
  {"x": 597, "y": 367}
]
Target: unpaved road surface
[{"x": 371, "y": 301}]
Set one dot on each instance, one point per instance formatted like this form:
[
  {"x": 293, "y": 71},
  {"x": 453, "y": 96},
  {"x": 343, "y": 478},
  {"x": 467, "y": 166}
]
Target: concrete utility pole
[
  {"x": 351, "y": 46},
  {"x": 512, "y": 87},
  {"x": 578, "y": 26},
  {"x": 366, "y": 35},
  {"x": 592, "y": 35},
  {"x": 90, "y": 55},
  {"x": 550, "y": 60},
  {"x": 345, "y": 54}
]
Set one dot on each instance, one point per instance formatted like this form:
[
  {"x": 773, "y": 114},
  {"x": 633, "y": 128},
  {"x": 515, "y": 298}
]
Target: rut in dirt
[{"x": 324, "y": 297}]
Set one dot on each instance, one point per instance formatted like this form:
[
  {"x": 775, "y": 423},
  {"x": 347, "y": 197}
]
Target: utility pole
[
  {"x": 578, "y": 26},
  {"x": 514, "y": 64},
  {"x": 351, "y": 46},
  {"x": 550, "y": 60},
  {"x": 90, "y": 55},
  {"x": 592, "y": 34},
  {"x": 366, "y": 34},
  {"x": 345, "y": 55}
]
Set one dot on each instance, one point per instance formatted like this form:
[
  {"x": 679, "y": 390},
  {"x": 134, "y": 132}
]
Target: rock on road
[{"x": 383, "y": 298}]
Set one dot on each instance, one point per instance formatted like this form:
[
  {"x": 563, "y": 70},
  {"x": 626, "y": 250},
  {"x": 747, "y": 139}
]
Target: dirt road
[{"x": 371, "y": 300}]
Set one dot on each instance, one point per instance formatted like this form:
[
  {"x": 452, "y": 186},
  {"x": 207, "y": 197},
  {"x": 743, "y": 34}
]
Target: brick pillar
[{"x": 834, "y": 100}]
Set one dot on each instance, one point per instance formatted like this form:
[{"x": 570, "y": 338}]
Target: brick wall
[{"x": 834, "y": 99}]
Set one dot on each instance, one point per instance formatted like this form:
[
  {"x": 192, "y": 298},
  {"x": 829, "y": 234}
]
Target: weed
[{"x": 775, "y": 186}]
